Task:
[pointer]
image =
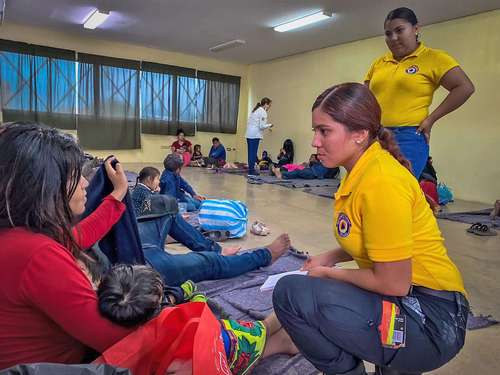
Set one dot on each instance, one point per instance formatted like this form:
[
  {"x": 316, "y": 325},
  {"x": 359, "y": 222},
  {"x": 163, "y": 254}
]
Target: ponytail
[
  {"x": 263, "y": 102},
  {"x": 387, "y": 141}
]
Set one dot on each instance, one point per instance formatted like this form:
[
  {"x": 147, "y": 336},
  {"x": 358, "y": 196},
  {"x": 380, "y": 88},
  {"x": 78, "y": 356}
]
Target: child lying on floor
[
  {"x": 132, "y": 295},
  {"x": 313, "y": 170}
]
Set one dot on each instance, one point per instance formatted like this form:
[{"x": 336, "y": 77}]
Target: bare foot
[
  {"x": 277, "y": 173},
  {"x": 496, "y": 209},
  {"x": 279, "y": 246},
  {"x": 227, "y": 251},
  {"x": 280, "y": 342}
]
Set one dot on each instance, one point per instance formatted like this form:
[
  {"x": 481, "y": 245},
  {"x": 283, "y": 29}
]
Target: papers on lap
[{"x": 273, "y": 279}]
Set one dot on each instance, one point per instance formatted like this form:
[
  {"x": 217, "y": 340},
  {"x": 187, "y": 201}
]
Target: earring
[{"x": 358, "y": 141}]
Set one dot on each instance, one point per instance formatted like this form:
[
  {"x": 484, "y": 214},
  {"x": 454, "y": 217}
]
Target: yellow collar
[
  {"x": 420, "y": 49},
  {"x": 348, "y": 180}
]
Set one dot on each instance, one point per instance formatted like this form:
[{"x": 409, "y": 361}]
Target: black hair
[
  {"x": 288, "y": 147},
  {"x": 215, "y": 139},
  {"x": 147, "y": 172},
  {"x": 262, "y": 102},
  {"x": 180, "y": 131},
  {"x": 173, "y": 162},
  {"x": 130, "y": 295},
  {"x": 403, "y": 13},
  {"x": 197, "y": 148},
  {"x": 40, "y": 170}
]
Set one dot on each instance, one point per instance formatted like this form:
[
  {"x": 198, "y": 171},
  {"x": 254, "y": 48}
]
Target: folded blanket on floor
[
  {"x": 293, "y": 183},
  {"x": 481, "y": 321},
  {"x": 322, "y": 191},
  {"x": 241, "y": 298},
  {"x": 472, "y": 217}
]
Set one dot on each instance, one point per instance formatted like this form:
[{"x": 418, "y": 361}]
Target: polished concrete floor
[{"x": 308, "y": 220}]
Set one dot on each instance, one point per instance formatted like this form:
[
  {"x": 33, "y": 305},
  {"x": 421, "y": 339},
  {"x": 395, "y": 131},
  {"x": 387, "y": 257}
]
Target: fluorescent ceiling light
[
  {"x": 303, "y": 21},
  {"x": 95, "y": 19},
  {"x": 227, "y": 45}
]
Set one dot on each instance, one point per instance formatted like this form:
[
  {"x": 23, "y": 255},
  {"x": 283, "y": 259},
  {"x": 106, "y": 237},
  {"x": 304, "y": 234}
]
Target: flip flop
[
  {"x": 298, "y": 253},
  {"x": 481, "y": 230},
  {"x": 217, "y": 235}
]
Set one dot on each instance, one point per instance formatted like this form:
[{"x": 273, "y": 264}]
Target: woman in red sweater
[{"x": 48, "y": 309}]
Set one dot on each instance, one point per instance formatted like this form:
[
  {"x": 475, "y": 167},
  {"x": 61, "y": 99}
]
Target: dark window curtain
[
  {"x": 161, "y": 104},
  {"x": 17, "y": 87},
  {"x": 157, "y": 115},
  {"x": 38, "y": 84},
  {"x": 108, "y": 103},
  {"x": 219, "y": 108},
  {"x": 190, "y": 99}
]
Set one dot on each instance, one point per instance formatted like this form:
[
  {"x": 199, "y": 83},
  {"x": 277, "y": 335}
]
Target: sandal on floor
[
  {"x": 481, "y": 230},
  {"x": 248, "y": 340},
  {"x": 298, "y": 253},
  {"x": 259, "y": 229},
  {"x": 217, "y": 235}
]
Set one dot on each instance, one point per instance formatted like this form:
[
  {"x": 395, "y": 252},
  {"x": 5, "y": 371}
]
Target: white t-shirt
[{"x": 257, "y": 123}]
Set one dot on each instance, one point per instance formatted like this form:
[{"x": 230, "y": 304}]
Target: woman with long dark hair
[
  {"x": 404, "y": 81},
  {"x": 405, "y": 308},
  {"x": 48, "y": 307},
  {"x": 257, "y": 123}
]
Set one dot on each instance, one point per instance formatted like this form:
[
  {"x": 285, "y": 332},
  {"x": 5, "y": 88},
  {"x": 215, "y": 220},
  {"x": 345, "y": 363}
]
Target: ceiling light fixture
[
  {"x": 95, "y": 19},
  {"x": 227, "y": 45},
  {"x": 303, "y": 21}
]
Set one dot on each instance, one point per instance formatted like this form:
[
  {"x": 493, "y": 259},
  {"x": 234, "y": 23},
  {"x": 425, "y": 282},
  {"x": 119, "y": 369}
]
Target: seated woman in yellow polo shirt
[
  {"x": 404, "y": 81},
  {"x": 405, "y": 308}
]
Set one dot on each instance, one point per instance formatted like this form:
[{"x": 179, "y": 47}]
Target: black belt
[{"x": 444, "y": 294}]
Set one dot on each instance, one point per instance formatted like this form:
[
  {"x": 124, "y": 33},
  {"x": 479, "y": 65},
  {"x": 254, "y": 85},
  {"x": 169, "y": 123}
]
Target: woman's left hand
[
  {"x": 320, "y": 271},
  {"x": 425, "y": 128}
]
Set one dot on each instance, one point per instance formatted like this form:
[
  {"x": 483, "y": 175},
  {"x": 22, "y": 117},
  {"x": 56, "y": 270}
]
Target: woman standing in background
[
  {"x": 257, "y": 123},
  {"x": 404, "y": 81}
]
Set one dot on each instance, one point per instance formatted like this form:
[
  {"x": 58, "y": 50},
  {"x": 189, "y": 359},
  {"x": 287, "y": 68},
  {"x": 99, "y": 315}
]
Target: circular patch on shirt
[
  {"x": 412, "y": 69},
  {"x": 343, "y": 225}
]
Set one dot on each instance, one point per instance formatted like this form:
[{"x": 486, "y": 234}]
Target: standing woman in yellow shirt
[
  {"x": 404, "y": 81},
  {"x": 405, "y": 308}
]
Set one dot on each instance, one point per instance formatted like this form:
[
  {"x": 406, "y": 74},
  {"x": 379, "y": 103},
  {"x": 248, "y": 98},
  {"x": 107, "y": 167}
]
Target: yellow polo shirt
[
  {"x": 404, "y": 89},
  {"x": 381, "y": 215}
]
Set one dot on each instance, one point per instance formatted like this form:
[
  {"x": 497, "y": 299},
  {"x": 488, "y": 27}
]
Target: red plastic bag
[{"x": 187, "y": 331}]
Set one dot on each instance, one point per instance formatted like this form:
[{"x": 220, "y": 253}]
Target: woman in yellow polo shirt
[
  {"x": 404, "y": 81},
  {"x": 405, "y": 308}
]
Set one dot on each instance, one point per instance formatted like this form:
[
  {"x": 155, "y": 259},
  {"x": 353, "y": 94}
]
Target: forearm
[
  {"x": 95, "y": 226},
  {"x": 337, "y": 255},
  {"x": 453, "y": 100}
]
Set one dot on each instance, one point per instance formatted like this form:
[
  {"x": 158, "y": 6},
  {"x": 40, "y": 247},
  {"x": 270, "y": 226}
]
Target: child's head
[
  {"x": 149, "y": 176},
  {"x": 197, "y": 149},
  {"x": 173, "y": 163},
  {"x": 264, "y": 154},
  {"x": 313, "y": 158},
  {"x": 215, "y": 142},
  {"x": 130, "y": 295}
]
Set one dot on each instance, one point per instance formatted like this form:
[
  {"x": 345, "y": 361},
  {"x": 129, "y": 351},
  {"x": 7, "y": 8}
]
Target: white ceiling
[{"x": 192, "y": 26}]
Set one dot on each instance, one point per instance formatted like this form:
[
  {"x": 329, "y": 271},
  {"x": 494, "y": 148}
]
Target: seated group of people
[{"x": 193, "y": 156}]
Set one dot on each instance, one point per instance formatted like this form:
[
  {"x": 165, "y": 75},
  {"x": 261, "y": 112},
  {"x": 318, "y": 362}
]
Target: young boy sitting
[
  {"x": 132, "y": 295},
  {"x": 172, "y": 183}
]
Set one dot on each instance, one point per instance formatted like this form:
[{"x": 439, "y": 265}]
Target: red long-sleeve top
[{"x": 48, "y": 309}]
